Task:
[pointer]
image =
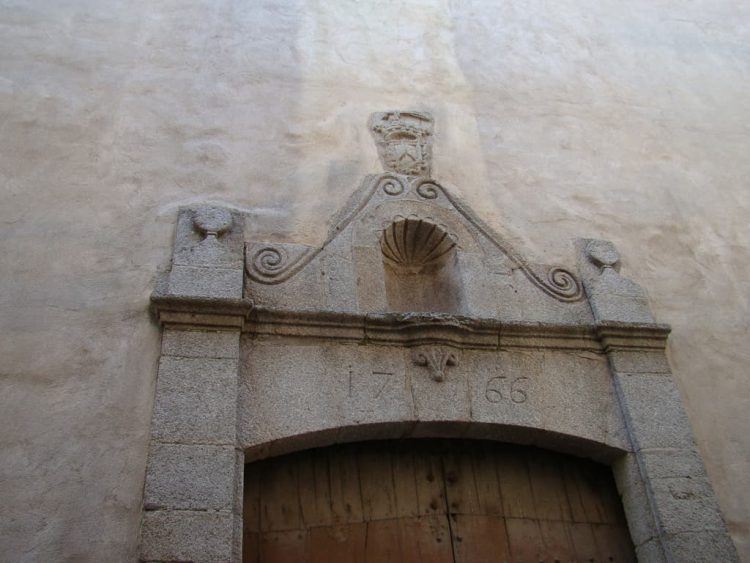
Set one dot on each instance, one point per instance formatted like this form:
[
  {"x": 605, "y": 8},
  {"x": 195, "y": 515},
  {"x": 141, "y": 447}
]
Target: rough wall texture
[{"x": 625, "y": 121}]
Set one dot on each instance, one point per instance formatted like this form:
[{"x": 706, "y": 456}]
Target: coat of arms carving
[{"x": 404, "y": 140}]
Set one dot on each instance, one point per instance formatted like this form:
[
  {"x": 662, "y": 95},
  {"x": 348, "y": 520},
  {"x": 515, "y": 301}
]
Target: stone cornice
[
  {"x": 404, "y": 329},
  {"x": 632, "y": 336},
  {"x": 200, "y": 312}
]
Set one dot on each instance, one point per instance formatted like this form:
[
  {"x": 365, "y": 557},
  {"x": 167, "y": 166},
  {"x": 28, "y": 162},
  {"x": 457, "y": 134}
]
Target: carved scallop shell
[{"x": 412, "y": 242}]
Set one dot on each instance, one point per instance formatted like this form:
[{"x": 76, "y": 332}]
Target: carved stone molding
[
  {"x": 271, "y": 264},
  {"x": 436, "y": 359}
]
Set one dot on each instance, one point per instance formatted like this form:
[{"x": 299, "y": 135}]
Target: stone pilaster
[
  {"x": 670, "y": 506},
  {"x": 192, "y": 508}
]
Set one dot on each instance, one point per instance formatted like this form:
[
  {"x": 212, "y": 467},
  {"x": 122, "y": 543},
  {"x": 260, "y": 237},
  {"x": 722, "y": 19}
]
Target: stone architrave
[{"x": 412, "y": 319}]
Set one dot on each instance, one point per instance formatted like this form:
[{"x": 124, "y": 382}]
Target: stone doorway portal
[
  {"x": 442, "y": 501},
  {"x": 413, "y": 319}
]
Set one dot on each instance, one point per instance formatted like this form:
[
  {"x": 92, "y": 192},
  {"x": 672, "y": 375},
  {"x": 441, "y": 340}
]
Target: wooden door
[{"x": 431, "y": 501}]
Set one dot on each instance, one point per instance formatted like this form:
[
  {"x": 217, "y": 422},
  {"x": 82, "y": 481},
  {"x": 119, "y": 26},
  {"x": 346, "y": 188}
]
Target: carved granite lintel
[{"x": 436, "y": 359}]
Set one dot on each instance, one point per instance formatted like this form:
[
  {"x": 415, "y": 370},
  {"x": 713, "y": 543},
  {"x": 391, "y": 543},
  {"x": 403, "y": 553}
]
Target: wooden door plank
[
  {"x": 485, "y": 476},
  {"x": 525, "y": 540},
  {"x": 479, "y": 539},
  {"x": 383, "y": 543},
  {"x": 558, "y": 545},
  {"x": 346, "y": 494},
  {"x": 376, "y": 480},
  {"x": 314, "y": 490},
  {"x": 283, "y": 547},
  {"x": 251, "y": 498},
  {"x": 430, "y": 488},
  {"x": 571, "y": 480},
  {"x": 426, "y": 538},
  {"x": 460, "y": 484},
  {"x": 338, "y": 544},
  {"x": 405, "y": 483},
  {"x": 250, "y": 547},
  {"x": 515, "y": 486},
  {"x": 279, "y": 499},
  {"x": 584, "y": 542},
  {"x": 613, "y": 544},
  {"x": 590, "y": 483},
  {"x": 548, "y": 487}
]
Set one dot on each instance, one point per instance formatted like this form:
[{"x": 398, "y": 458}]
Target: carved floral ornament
[{"x": 437, "y": 359}]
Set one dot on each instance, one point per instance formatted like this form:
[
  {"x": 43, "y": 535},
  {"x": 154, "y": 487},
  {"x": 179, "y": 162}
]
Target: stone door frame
[{"x": 192, "y": 507}]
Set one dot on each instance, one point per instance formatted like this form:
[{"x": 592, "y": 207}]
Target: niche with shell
[{"x": 421, "y": 267}]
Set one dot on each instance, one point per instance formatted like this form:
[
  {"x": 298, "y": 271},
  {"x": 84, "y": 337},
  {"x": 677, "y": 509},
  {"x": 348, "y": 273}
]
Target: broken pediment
[{"x": 407, "y": 245}]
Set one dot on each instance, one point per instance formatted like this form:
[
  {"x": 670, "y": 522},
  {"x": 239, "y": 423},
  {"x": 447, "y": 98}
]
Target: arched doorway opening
[{"x": 452, "y": 501}]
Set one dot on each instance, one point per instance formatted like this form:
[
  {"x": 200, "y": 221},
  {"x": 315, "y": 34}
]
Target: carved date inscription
[
  {"x": 373, "y": 384},
  {"x": 503, "y": 388}
]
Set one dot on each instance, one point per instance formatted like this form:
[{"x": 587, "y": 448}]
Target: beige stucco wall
[{"x": 555, "y": 120}]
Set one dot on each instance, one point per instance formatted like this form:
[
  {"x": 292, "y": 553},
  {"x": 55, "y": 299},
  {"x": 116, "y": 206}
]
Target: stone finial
[
  {"x": 613, "y": 297},
  {"x": 212, "y": 221},
  {"x": 404, "y": 140},
  {"x": 604, "y": 254}
]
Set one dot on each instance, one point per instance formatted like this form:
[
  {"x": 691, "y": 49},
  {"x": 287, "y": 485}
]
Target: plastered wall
[{"x": 554, "y": 120}]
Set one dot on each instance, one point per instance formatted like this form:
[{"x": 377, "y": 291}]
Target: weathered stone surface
[
  {"x": 189, "y": 477},
  {"x": 669, "y": 462},
  {"x": 348, "y": 385},
  {"x": 325, "y": 386},
  {"x": 634, "y": 493},
  {"x": 203, "y": 281},
  {"x": 200, "y": 343},
  {"x": 195, "y": 401},
  {"x": 565, "y": 392},
  {"x": 686, "y": 504},
  {"x": 673, "y": 484},
  {"x": 183, "y": 535},
  {"x": 654, "y": 411},
  {"x": 651, "y": 552},
  {"x": 370, "y": 281},
  {"x": 700, "y": 546},
  {"x": 638, "y": 361}
]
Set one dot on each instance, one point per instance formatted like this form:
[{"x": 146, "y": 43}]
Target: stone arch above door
[{"x": 271, "y": 347}]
